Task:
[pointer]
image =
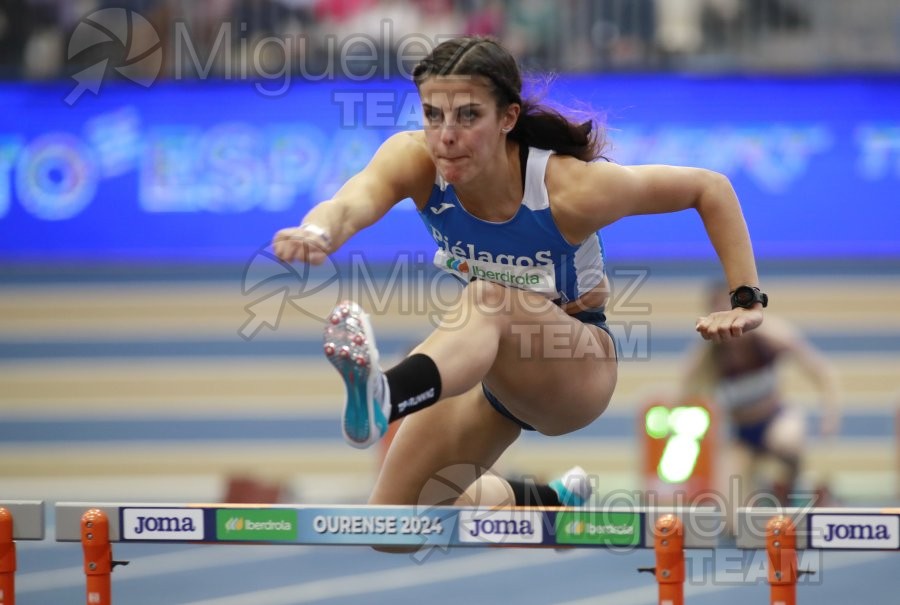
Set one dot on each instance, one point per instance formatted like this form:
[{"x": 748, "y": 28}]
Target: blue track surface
[
  {"x": 51, "y": 573},
  {"x": 658, "y": 344},
  {"x": 71, "y": 430}
]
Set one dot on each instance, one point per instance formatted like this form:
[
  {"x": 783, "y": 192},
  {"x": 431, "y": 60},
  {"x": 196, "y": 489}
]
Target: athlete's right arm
[{"x": 400, "y": 169}]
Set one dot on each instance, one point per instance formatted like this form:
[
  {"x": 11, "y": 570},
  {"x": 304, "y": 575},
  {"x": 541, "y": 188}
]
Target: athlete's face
[{"x": 463, "y": 126}]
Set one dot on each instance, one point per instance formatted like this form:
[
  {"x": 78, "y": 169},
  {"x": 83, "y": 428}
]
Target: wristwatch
[{"x": 747, "y": 296}]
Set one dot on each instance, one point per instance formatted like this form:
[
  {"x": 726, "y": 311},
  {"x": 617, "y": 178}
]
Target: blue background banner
[{"x": 191, "y": 173}]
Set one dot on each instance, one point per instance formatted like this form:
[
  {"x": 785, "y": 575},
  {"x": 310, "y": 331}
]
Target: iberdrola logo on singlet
[{"x": 536, "y": 278}]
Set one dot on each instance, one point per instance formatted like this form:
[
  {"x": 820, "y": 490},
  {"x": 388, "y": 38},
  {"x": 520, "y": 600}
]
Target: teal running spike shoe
[
  {"x": 573, "y": 487},
  {"x": 350, "y": 347}
]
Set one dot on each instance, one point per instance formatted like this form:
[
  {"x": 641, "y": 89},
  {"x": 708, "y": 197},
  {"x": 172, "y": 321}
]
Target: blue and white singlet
[{"x": 526, "y": 252}]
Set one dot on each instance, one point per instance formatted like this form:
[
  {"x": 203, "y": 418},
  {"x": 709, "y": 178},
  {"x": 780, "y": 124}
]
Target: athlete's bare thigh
[
  {"x": 552, "y": 371},
  {"x": 439, "y": 451}
]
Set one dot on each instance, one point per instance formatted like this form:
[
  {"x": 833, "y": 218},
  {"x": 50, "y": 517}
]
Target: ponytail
[{"x": 546, "y": 128}]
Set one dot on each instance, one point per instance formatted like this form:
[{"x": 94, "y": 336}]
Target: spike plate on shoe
[{"x": 349, "y": 345}]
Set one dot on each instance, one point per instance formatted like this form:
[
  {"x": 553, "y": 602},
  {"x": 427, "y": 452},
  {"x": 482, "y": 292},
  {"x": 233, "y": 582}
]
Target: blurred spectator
[
  {"x": 14, "y": 31},
  {"x": 339, "y": 11},
  {"x": 486, "y": 19},
  {"x": 562, "y": 36},
  {"x": 729, "y": 22},
  {"x": 625, "y": 33},
  {"x": 440, "y": 18},
  {"x": 784, "y": 15},
  {"x": 384, "y": 22},
  {"x": 34, "y": 30},
  {"x": 532, "y": 32},
  {"x": 678, "y": 28}
]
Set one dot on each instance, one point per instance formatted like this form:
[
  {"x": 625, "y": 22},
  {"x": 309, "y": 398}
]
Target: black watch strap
[{"x": 747, "y": 296}]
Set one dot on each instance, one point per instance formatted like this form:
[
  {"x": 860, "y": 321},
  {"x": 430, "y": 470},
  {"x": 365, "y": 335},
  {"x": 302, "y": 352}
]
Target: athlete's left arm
[{"x": 596, "y": 194}]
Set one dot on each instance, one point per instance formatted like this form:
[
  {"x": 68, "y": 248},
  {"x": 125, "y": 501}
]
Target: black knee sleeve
[{"x": 414, "y": 383}]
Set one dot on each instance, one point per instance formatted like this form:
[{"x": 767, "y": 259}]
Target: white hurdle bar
[
  {"x": 27, "y": 518},
  {"x": 667, "y": 530},
  {"x": 19, "y": 520},
  {"x": 824, "y": 528},
  {"x": 409, "y": 526}
]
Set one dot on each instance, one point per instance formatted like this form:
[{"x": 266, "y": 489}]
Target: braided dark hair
[{"x": 538, "y": 125}]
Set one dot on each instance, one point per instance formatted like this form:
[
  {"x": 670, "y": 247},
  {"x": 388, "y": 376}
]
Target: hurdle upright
[
  {"x": 783, "y": 531},
  {"x": 19, "y": 520},
  {"x": 668, "y": 530}
]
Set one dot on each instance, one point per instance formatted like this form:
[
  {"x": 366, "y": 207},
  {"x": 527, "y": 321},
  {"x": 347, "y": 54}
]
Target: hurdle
[
  {"x": 19, "y": 520},
  {"x": 667, "y": 530},
  {"x": 783, "y": 531}
]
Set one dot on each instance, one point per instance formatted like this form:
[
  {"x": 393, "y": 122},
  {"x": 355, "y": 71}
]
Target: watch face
[{"x": 744, "y": 295}]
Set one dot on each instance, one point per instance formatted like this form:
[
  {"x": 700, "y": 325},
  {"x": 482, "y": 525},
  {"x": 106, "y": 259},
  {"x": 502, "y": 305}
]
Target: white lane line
[
  {"x": 649, "y": 595},
  {"x": 394, "y": 579},
  {"x": 193, "y": 559}
]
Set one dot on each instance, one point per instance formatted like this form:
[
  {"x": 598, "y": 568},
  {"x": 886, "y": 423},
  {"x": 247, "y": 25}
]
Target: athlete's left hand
[{"x": 725, "y": 325}]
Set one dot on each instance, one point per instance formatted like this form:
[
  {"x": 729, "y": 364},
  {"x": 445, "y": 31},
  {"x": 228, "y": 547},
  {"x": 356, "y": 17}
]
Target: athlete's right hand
[{"x": 306, "y": 243}]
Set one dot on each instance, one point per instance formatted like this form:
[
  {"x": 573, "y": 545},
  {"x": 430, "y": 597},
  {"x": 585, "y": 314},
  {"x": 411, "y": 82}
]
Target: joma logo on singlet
[
  {"x": 855, "y": 531},
  {"x": 162, "y": 524}
]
